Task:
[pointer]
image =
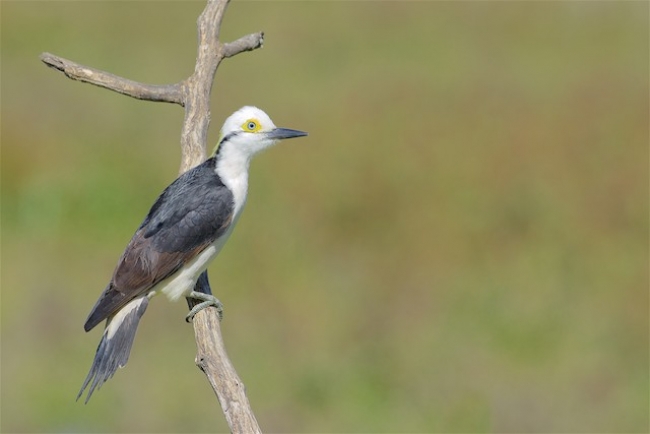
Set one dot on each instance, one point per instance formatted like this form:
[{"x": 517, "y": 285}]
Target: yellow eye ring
[{"x": 251, "y": 125}]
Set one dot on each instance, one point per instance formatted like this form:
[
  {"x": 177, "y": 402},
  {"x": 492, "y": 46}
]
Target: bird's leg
[{"x": 207, "y": 300}]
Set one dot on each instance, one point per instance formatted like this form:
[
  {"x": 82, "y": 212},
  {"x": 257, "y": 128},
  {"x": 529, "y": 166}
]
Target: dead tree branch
[
  {"x": 193, "y": 94},
  {"x": 148, "y": 92}
]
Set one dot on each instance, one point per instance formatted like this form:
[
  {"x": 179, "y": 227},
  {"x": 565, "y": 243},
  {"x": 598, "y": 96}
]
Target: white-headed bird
[{"x": 185, "y": 229}]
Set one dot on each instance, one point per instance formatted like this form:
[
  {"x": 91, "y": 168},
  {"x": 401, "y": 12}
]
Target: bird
[{"x": 182, "y": 233}]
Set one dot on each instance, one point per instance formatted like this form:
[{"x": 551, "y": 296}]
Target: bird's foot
[{"x": 207, "y": 300}]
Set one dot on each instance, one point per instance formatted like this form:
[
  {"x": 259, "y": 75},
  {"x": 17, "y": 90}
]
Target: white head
[{"x": 248, "y": 131}]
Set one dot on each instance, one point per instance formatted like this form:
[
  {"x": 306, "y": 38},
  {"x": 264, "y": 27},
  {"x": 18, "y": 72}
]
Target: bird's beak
[{"x": 285, "y": 133}]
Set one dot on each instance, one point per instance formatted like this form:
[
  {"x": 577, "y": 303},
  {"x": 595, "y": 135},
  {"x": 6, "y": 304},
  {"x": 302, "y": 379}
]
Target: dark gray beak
[{"x": 285, "y": 133}]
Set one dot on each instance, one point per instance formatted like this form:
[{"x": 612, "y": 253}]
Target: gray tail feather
[{"x": 113, "y": 352}]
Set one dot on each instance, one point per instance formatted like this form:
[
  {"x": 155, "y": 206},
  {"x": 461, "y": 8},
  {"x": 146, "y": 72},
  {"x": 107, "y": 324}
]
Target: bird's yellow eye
[{"x": 251, "y": 125}]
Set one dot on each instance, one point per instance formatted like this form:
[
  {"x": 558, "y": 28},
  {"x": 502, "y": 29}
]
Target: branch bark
[
  {"x": 193, "y": 94},
  {"x": 149, "y": 92}
]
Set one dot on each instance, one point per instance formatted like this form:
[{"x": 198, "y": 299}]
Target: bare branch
[
  {"x": 212, "y": 359},
  {"x": 194, "y": 134},
  {"x": 150, "y": 92},
  {"x": 211, "y": 355},
  {"x": 245, "y": 43}
]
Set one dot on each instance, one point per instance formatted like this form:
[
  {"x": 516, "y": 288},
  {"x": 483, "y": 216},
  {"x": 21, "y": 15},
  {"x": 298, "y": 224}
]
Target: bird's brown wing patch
[{"x": 140, "y": 268}]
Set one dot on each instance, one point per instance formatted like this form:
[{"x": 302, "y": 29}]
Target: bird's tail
[{"x": 115, "y": 346}]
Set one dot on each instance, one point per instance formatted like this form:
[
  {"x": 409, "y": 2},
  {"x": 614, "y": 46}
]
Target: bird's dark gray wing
[{"x": 188, "y": 216}]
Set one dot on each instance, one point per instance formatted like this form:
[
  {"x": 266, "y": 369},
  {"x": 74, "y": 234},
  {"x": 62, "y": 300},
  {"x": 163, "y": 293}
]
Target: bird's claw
[{"x": 207, "y": 300}]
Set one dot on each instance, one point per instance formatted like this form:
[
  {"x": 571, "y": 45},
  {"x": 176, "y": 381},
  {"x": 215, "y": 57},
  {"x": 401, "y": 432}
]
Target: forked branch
[{"x": 193, "y": 94}]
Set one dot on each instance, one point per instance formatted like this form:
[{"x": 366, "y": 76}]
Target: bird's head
[{"x": 250, "y": 130}]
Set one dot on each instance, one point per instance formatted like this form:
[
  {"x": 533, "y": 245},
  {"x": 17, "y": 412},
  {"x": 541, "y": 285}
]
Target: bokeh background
[{"x": 460, "y": 245}]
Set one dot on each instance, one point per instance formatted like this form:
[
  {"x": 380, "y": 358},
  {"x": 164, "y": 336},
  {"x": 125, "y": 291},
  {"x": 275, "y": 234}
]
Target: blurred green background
[{"x": 460, "y": 245}]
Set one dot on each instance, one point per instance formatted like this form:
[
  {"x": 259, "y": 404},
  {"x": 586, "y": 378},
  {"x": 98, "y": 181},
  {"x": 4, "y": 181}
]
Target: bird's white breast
[
  {"x": 182, "y": 283},
  {"x": 232, "y": 168},
  {"x": 239, "y": 188}
]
